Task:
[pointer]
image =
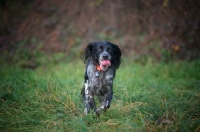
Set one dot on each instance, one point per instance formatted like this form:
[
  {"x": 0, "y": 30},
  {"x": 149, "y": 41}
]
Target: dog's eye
[
  {"x": 109, "y": 50},
  {"x": 99, "y": 49}
]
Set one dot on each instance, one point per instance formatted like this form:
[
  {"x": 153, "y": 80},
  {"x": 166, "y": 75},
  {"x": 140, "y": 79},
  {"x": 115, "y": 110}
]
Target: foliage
[
  {"x": 150, "y": 97},
  {"x": 163, "y": 29}
]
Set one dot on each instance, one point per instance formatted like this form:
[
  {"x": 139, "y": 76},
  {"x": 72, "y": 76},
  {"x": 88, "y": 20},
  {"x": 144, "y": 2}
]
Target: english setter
[{"x": 102, "y": 59}]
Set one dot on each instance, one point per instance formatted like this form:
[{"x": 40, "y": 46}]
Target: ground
[{"x": 150, "y": 97}]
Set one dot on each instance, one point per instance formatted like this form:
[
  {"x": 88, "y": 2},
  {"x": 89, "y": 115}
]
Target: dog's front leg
[
  {"x": 89, "y": 99},
  {"x": 105, "y": 101}
]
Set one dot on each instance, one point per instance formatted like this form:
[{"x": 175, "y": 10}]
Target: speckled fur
[{"x": 101, "y": 85}]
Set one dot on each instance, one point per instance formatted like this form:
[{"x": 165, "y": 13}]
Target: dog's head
[{"x": 104, "y": 54}]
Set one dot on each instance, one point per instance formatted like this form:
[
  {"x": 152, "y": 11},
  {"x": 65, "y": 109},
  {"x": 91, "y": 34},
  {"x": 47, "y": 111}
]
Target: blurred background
[{"x": 33, "y": 32}]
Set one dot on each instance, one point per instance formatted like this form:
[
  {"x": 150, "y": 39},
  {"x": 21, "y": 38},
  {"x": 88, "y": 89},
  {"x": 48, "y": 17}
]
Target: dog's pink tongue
[{"x": 105, "y": 63}]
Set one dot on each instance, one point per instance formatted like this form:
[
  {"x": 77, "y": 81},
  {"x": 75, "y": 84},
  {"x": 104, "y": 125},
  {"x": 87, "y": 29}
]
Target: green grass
[{"x": 151, "y": 97}]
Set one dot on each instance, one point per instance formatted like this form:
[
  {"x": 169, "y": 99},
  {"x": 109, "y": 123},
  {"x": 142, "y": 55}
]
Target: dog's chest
[
  {"x": 99, "y": 81},
  {"x": 100, "y": 78}
]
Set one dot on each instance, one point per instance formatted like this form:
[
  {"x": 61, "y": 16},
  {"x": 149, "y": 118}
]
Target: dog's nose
[{"x": 105, "y": 57}]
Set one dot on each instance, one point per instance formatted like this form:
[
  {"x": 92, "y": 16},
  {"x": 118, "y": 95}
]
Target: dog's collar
[{"x": 98, "y": 68}]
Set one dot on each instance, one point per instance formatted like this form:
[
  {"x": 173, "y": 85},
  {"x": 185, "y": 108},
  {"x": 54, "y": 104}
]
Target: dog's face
[{"x": 104, "y": 54}]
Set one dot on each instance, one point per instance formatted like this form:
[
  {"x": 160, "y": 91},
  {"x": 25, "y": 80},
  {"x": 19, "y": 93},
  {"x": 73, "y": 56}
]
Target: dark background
[{"x": 32, "y": 31}]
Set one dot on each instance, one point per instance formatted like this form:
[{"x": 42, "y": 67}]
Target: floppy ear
[
  {"x": 117, "y": 55},
  {"x": 88, "y": 51}
]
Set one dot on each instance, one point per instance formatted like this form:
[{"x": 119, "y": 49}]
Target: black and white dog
[{"x": 102, "y": 59}]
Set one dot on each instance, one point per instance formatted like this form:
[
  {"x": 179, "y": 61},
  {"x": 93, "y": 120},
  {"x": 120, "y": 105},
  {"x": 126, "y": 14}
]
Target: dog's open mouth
[{"x": 104, "y": 64}]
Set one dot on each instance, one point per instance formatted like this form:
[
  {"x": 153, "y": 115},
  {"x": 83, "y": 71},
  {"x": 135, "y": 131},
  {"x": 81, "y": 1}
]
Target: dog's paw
[
  {"x": 98, "y": 112},
  {"x": 86, "y": 111},
  {"x": 106, "y": 105}
]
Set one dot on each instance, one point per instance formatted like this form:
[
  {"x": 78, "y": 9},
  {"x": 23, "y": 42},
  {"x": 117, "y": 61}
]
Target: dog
[{"x": 102, "y": 59}]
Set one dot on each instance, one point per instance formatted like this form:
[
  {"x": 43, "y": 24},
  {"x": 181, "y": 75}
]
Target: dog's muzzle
[{"x": 104, "y": 61}]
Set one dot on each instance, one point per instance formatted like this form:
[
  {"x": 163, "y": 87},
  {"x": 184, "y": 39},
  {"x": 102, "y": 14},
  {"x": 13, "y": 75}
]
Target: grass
[{"x": 151, "y": 97}]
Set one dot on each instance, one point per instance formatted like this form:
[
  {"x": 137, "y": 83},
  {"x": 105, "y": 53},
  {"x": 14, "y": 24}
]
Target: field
[{"x": 151, "y": 97}]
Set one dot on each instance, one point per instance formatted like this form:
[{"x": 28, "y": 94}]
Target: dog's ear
[
  {"x": 88, "y": 51},
  {"x": 117, "y": 55}
]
